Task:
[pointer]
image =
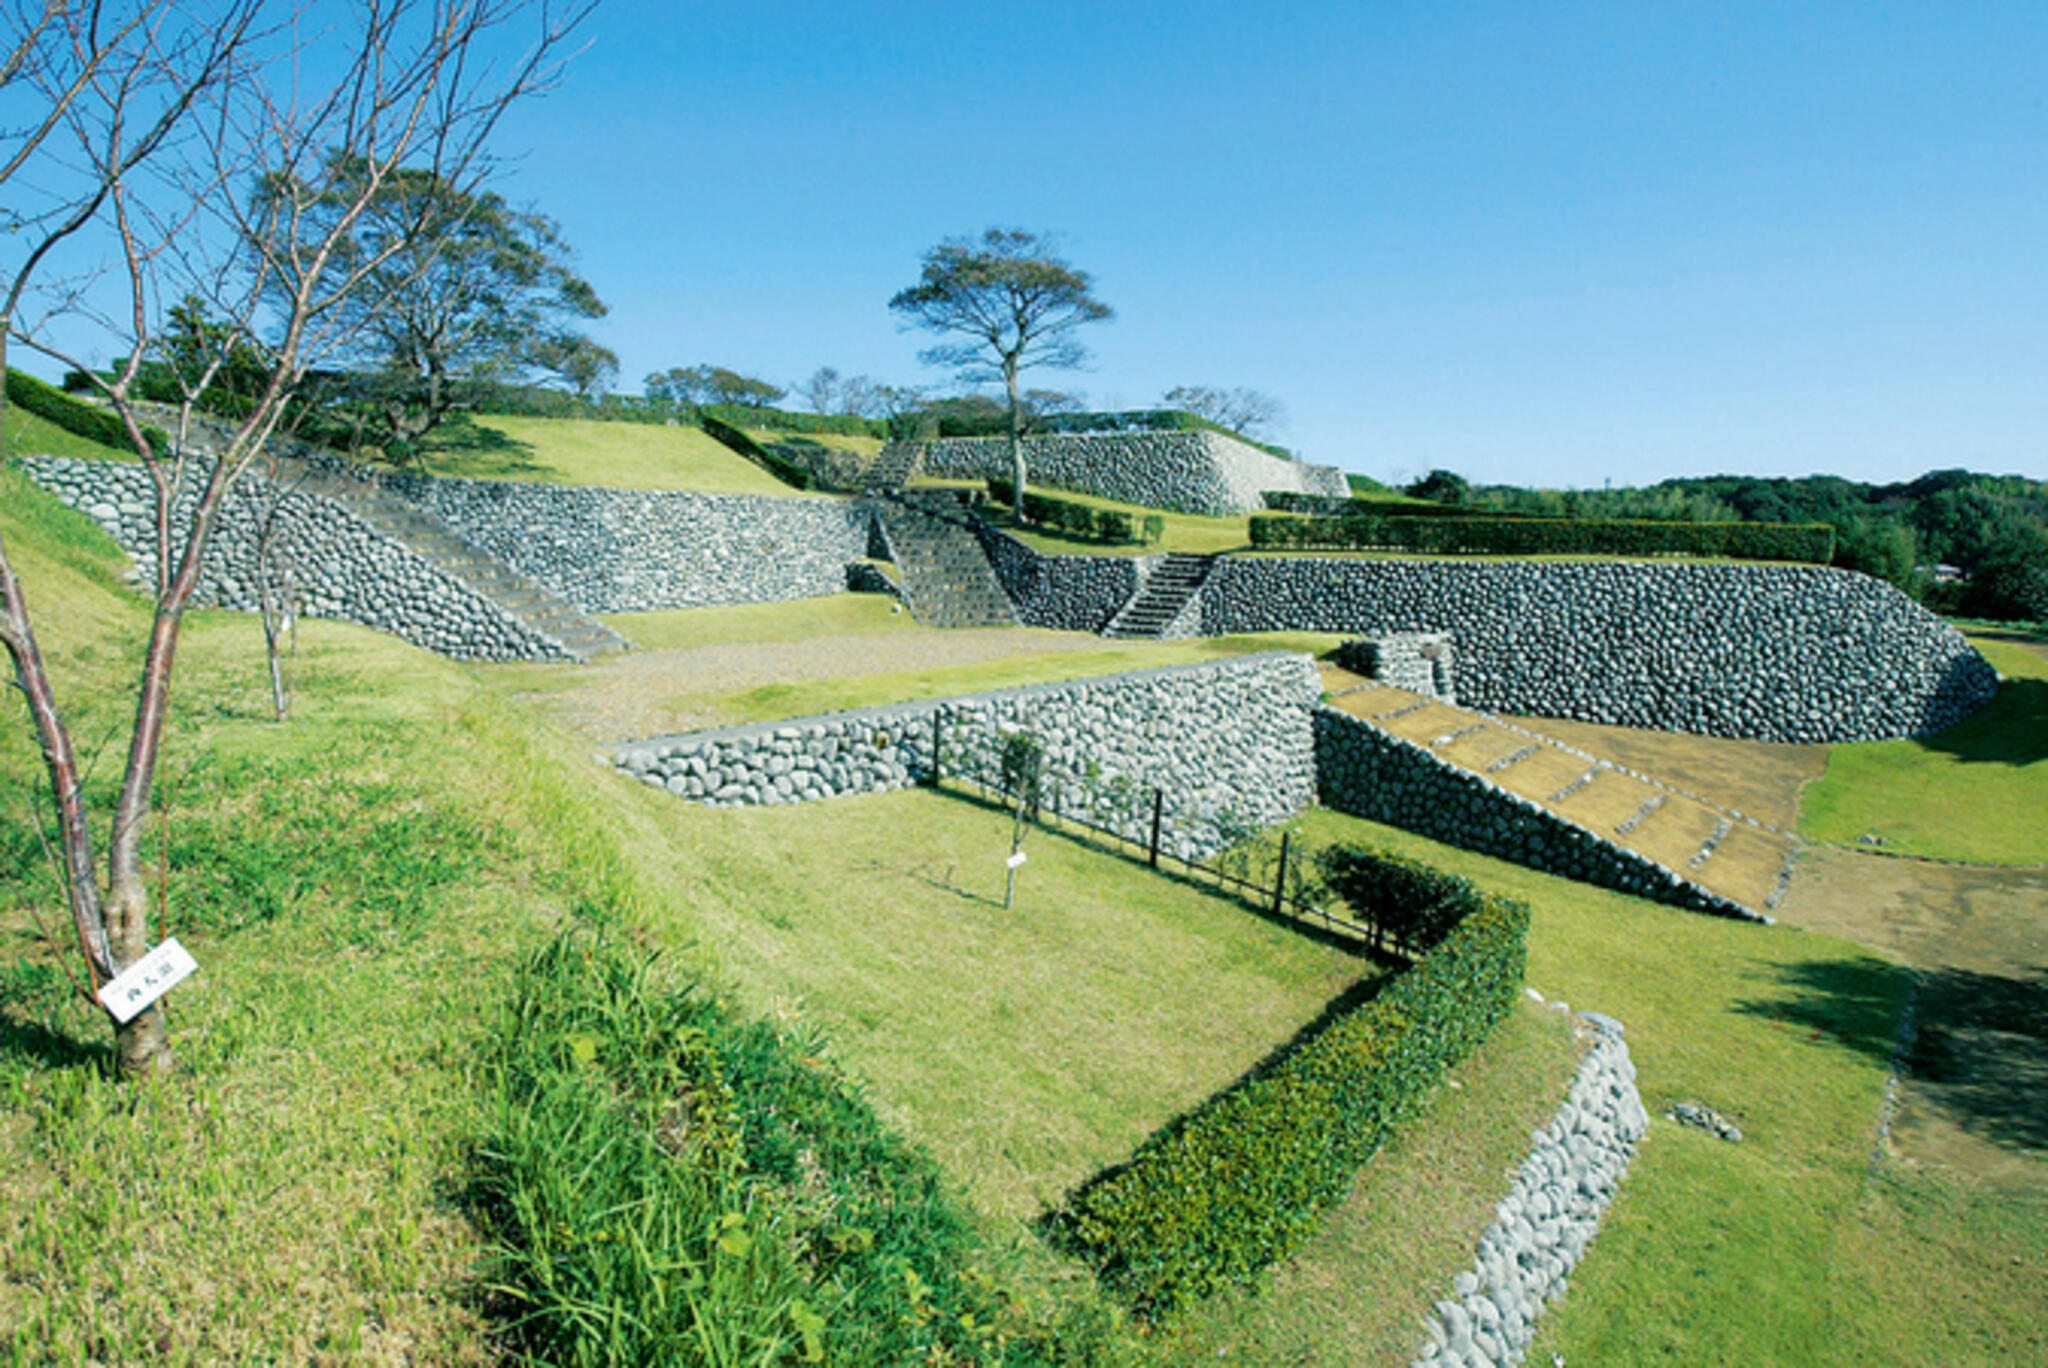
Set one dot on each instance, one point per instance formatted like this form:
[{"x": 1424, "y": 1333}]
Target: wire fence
[{"x": 1230, "y": 851}]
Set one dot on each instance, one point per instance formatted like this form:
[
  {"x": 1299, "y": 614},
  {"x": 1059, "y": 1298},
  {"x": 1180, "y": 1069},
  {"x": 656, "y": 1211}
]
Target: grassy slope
[
  {"x": 1977, "y": 791},
  {"x": 28, "y": 435},
  {"x": 791, "y": 620},
  {"x": 576, "y": 451},
  {"x": 773, "y": 701}
]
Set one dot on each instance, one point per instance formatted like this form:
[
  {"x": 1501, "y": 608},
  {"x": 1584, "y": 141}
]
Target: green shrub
[
  {"x": 94, "y": 424},
  {"x": 1243, "y": 1180},
  {"x": 781, "y": 467},
  {"x": 1413, "y": 903},
  {"x": 1453, "y": 535},
  {"x": 1081, "y": 520}
]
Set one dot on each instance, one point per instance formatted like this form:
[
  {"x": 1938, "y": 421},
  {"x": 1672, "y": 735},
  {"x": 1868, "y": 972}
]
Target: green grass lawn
[
  {"x": 579, "y": 451},
  {"x": 791, "y": 620},
  {"x": 772, "y": 701},
  {"x": 1978, "y": 791}
]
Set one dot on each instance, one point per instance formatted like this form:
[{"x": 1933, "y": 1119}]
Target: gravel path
[{"x": 654, "y": 693}]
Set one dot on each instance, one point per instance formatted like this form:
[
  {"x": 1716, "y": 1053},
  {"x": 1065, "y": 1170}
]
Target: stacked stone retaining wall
[
  {"x": 340, "y": 566},
  {"x": 1183, "y": 472},
  {"x": 1063, "y": 593},
  {"x": 1229, "y": 743},
  {"x": 1764, "y": 652},
  {"x": 635, "y": 550},
  {"x": 1381, "y": 777}
]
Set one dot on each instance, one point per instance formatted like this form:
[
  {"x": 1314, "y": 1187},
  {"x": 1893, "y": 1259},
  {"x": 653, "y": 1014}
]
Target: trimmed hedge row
[
  {"x": 94, "y": 424},
  {"x": 781, "y": 467},
  {"x": 1079, "y": 519},
  {"x": 1244, "y": 1179},
  {"x": 917, "y": 426},
  {"x": 1813, "y": 543},
  {"x": 1330, "y": 506}
]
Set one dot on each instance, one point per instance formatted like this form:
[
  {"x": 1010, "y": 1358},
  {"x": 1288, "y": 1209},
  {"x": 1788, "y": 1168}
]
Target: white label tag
[
  {"x": 1015, "y": 860},
  {"x": 131, "y": 991}
]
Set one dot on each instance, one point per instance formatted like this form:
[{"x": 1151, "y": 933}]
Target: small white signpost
[
  {"x": 130, "y": 992},
  {"x": 1015, "y": 859}
]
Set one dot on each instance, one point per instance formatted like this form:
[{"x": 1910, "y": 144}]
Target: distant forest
[{"x": 1991, "y": 529}]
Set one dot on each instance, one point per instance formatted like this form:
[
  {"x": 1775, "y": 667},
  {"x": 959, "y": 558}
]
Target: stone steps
[
  {"x": 945, "y": 572},
  {"x": 1714, "y": 847},
  {"x": 1166, "y": 591}
]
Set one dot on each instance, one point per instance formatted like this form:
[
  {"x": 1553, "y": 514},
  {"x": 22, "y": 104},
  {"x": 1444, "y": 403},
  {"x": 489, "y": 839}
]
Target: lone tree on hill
[
  {"x": 1015, "y": 303},
  {"x": 460, "y": 290},
  {"x": 1249, "y": 412}
]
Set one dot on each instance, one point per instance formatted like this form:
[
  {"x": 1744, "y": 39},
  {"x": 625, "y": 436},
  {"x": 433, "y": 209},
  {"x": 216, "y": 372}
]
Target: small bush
[
  {"x": 1243, "y": 1180},
  {"x": 1074, "y": 519},
  {"x": 1458, "y": 534}
]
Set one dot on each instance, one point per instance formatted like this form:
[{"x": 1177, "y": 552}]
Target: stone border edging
[{"x": 1543, "y": 1226}]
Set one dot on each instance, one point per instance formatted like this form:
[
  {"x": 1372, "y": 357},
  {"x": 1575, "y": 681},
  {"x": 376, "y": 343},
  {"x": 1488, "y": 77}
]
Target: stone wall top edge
[{"x": 917, "y": 709}]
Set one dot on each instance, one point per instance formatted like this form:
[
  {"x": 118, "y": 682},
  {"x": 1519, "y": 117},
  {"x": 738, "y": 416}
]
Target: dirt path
[{"x": 655, "y": 693}]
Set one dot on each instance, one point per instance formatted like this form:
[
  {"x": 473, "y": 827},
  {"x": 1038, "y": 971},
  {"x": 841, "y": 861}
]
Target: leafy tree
[
  {"x": 1014, "y": 303},
  {"x": 1441, "y": 486},
  {"x": 707, "y": 384},
  {"x": 1247, "y": 411},
  {"x": 458, "y": 289}
]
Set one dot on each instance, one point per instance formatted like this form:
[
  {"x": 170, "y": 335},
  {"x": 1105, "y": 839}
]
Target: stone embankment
[
  {"x": 1542, "y": 1228},
  {"x": 1182, "y": 472},
  {"x": 339, "y": 566},
  {"x": 636, "y": 550},
  {"x": 1763, "y": 652},
  {"x": 1228, "y": 743}
]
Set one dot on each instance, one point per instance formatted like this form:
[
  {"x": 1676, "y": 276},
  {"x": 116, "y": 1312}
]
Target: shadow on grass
[
  {"x": 37, "y": 1045},
  {"x": 1054, "y": 828},
  {"x": 2011, "y": 730},
  {"x": 464, "y": 448},
  {"x": 1980, "y": 1047}
]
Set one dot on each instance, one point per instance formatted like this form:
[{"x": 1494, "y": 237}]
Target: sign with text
[
  {"x": 131, "y": 991},
  {"x": 1015, "y": 860}
]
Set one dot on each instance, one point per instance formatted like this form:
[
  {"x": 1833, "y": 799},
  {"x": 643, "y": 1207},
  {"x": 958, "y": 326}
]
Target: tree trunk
[{"x": 1016, "y": 437}]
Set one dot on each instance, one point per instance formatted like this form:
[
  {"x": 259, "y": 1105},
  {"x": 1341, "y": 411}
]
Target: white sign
[
  {"x": 131, "y": 991},
  {"x": 1015, "y": 860}
]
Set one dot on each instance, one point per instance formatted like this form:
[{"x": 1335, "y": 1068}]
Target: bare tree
[
  {"x": 1251, "y": 412},
  {"x": 154, "y": 115},
  {"x": 1015, "y": 302}
]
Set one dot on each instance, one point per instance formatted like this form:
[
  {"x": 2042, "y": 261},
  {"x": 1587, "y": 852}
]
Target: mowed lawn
[
  {"x": 1977, "y": 791},
  {"x": 580, "y": 451}
]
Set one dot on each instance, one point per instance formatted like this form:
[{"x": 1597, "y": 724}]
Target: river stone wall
[
  {"x": 1764, "y": 652},
  {"x": 1229, "y": 742},
  {"x": 1542, "y": 1227},
  {"x": 1183, "y": 472},
  {"x": 635, "y": 550},
  {"x": 341, "y": 567},
  {"x": 1381, "y": 777},
  {"x": 1064, "y": 593}
]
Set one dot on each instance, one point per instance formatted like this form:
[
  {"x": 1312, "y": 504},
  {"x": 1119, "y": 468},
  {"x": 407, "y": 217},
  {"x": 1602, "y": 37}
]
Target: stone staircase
[
  {"x": 893, "y": 468},
  {"x": 1718, "y": 848},
  {"x": 535, "y": 606},
  {"x": 1167, "y": 590},
  {"x": 946, "y": 577},
  {"x": 323, "y": 475}
]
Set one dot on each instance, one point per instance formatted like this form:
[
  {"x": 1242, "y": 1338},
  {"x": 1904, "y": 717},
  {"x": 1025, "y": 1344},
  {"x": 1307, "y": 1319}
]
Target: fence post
[
  {"x": 1280, "y": 884},
  {"x": 1158, "y": 810},
  {"x": 938, "y": 721}
]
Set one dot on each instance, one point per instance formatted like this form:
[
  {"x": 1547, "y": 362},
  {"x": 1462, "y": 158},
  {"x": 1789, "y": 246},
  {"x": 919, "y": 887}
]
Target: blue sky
[{"x": 1548, "y": 244}]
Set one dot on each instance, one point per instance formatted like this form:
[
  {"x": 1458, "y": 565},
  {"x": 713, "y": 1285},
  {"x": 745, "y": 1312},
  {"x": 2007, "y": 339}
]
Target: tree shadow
[
  {"x": 1980, "y": 1048},
  {"x": 463, "y": 447},
  {"x": 2010, "y": 730},
  {"x": 35, "y": 1044}
]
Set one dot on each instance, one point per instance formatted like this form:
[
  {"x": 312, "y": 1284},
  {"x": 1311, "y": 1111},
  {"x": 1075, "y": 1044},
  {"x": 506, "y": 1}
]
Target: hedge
[
  {"x": 1333, "y": 506},
  {"x": 1079, "y": 519},
  {"x": 781, "y": 467},
  {"x": 1512, "y": 536},
  {"x": 1243, "y": 1180},
  {"x": 95, "y": 424},
  {"x": 924, "y": 426}
]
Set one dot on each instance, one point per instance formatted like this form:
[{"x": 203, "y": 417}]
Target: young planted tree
[
  {"x": 1014, "y": 303},
  {"x": 153, "y": 119}
]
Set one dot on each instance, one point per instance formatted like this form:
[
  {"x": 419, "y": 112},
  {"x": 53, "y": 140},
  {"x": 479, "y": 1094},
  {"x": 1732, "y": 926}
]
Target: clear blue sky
[{"x": 1552, "y": 244}]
